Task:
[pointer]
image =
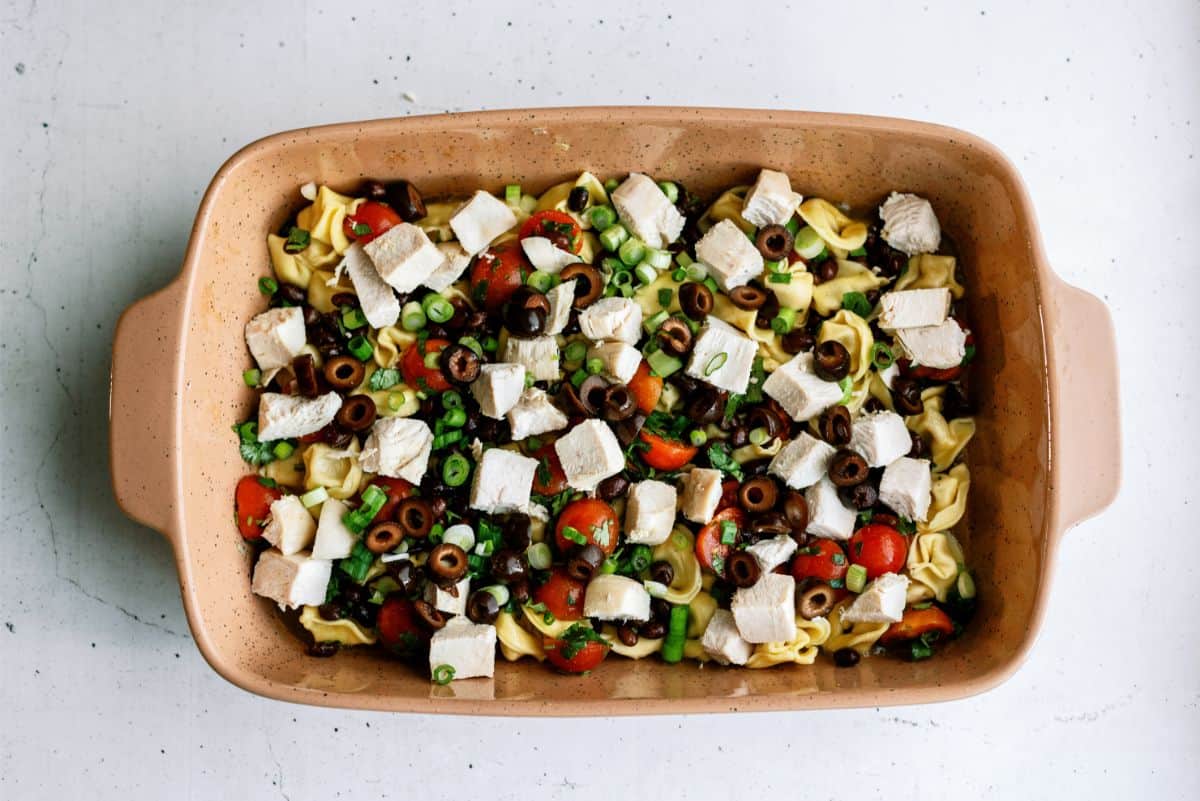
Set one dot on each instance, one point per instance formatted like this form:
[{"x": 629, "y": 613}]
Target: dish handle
[
  {"x": 1085, "y": 406},
  {"x": 142, "y": 406}
]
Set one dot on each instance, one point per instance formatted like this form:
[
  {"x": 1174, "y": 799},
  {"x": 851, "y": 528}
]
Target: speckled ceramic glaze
[{"x": 1045, "y": 457}]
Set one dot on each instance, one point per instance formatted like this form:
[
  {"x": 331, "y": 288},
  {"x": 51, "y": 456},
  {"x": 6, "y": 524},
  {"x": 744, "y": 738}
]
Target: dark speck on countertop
[{"x": 20, "y": 67}]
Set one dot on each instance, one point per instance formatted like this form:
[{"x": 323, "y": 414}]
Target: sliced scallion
[
  {"x": 443, "y": 674},
  {"x": 472, "y": 343},
  {"x": 252, "y": 377},
  {"x": 412, "y": 316},
  {"x": 658, "y": 259},
  {"x": 499, "y": 592},
  {"x": 539, "y": 555},
  {"x": 461, "y": 535},
  {"x": 856, "y": 578},
  {"x": 966, "y": 585},
  {"x": 512, "y": 195},
  {"x": 283, "y": 449},
  {"x": 779, "y": 278},
  {"x": 696, "y": 272},
  {"x": 645, "y": 273},
  {"x": 455, "y": 418},
  {"x": 715, "y": 363},
  {"x": 540, "y": 281},
  {"x": 268, "y": 285},
  {"x": 697, "y": 437},
  {"x": 595, "y": 366},
  {"x": 437, "y": 308},
  {"x": 784, "y": 321},
  {"x": 452, "y": 399},
  {"x": 663, "y": 364},
  {"x": 665, "y": 296},
  {"x": 602, "y": 217},
  {"x": 882, "y": 356},
  {"x": 631, "y": 251},
  {"x": 759, "y": 435},
  {"x": 314, "y": 497},
  {"x": 670, "y": 190},
  {"x": 396, "y": 401},
  {"x": 672, "y": 649},
  {"x": 679, "y": 275},
  {"x": 612, "y": 237},
  {"x": 809, "y": 243},
  {"x": 652, "y": 322},
  {"x": 432, "y": 359},
  {"x": 683, "y": 259}
]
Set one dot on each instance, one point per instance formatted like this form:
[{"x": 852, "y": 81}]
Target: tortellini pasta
[
  {"x": 515, "y": 641},
  {"x": 840, "y": 233},
  {"x": 322, "y": 288},
  {"x": 344, "y": 631},
  {"x": 949, "y": 499},
  {"x": 297, "y": 268},
  {"x": 728, "y": 207},
  {"x": 679, "y": 551},
  {"x": 928, "y": 271},
  {"x": 334, "y": 469},
  {"x": 934, "y": 560},
  {"x": 801, "y": 649},
  {"x": 770, "y": 346},
  {"x": 859, "y": 636},
  {"x": 851, "y": 277},
  {"x": 546, "y": 624},
  {"x": 642, "y": 648},
  {"x": 436, "y": 222},
  {"x": 556, "y": 198},
  {"x": 797, "y": 293},
  {"x": 323, "y": 219},
  {"x": 287, "y": 472},
  {"x": 946, "y": 439},
  {"x": 700, "y": 612},
  {"x": 748, "y": 453},
  {"x": 853, "y": 332},
  {"x": 389, "y": 343}
]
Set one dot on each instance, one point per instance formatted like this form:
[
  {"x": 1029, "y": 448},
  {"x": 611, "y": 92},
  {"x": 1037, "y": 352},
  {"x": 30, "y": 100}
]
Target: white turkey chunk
[
  {"x": 291, "y": 527},
  {"x": 909, "y": 224},
  {"x": 502, "y": 482},
  {"x": 454, "y": 264},
  {"x": 905, "y": 487},
  {"x": 398, "y": 447},
  {"x": 404, "y": 256},
  {"x": 452, "y": 603},
  {"x": 800, "y": 391},
  {"x": 334, "y": 539},
  {"x": 649, "y": 512},
  {"x": 771, "y": 201},
  {"x": 881, "y": 602},
  {"x": 881, "y": 438},
  {"x": 291, "y": 581},
  {"x": 646, "y": 211},
  {"x": 938, "y": 346},
  {"x": 701, "y": 492},
  {"x": 612, "y": 597},
  {"x": 612, "y": 319},
  {"x": 534, "y": 415},
  {"x": 545, "y": 256},
  {"x": 379, "y": 303},
  {"x": 275, "y": 337},
  {"x": 589, "y": 453},
  {"x": 723, "y": 356},
  {"x": 469, "y": 649},
  {"x": 730, "y": 256},
  {"x": 561, "y": 297},
  {"x": 620, "y": 360},
  {"x": 913, "y": 308},
  {"x": 723, "y": 642},
  {"x": 539, "y": 356},
  {"x": 828, "y": 517},
  {"x": 290, "y": 416},
  {"x": 774, "y": 552},
  {"x": 480, "y": 220},
  {"x": 766, "y": 611},
  {"x": 802, "y": 461},
  {"x": 498, "y": 388}
]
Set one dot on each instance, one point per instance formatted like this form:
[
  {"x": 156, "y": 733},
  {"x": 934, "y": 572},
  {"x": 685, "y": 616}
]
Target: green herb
[
  {"x": 858, "y": 252},
  {"x": 839, "y": 559},
  {"x": 251, "y": 448},
  {"x": 269, "y": 483},
  {"x": 666, "y": 426},
  {"x": 922, "y": 647},
  {"x": 358, "y": 519},
  {"x": 555, "y": 503},
  {"x": 718, "y": 564},
  {"x": 358, "y": 563},
  {"x": 297, "y": 240},
  {"x": 856, "y": 302},
  {"x": 729, "y": 532},
  {"x": 733, "y": 404},
  {"x": 576, "y": 638},
  {"x": 837, "y": 584},
  {"x": 252, "y": 376},
  {"x": 665, "y": 296},
  {"x": 443, "y": 674},
  {"x": 779, "y": 278},
  {"x": 906, "y": 526},
  {"x": 333, "y": 588},
  {"x": 352, "y": 318},
  {"x": 847, "y": 387},
  {"x": 361, "y": 229},
  {"x": 720, "y": 458},
  {"x": 969, "y": 355},
  {"x": 573, "y": 534},
  {"x": 640, "y": 558},
  {"x": 865, "y": 516},
  {"x": 758, "y": 374},
  {"x": 383, "y": 379}
]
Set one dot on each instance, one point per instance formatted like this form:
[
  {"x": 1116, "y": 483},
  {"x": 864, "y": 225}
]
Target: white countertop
[{"x": 113, "y": 122}]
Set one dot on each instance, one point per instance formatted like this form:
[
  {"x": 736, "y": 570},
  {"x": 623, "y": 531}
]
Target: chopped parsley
[
  {"x": 385, "y": 378},
  {"x": 667, "y": 426},
  {"x": 361, "y": 229},
  {"x": 297, "y": 240},
  {"x": 906, "y": 526},
  {"x": 922, "y": 647},
  {"x": 253, "y": 450},
  {"x": 576, "y": 638},
  {"x": 555, "y": 503},
  {"x": 720, "y": 458}
]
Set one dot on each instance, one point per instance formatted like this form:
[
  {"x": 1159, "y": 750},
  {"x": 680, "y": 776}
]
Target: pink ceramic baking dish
[{"x": 1046, "y": 455}]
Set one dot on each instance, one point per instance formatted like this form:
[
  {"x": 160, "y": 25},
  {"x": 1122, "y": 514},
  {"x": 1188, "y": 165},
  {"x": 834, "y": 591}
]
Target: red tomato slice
[
  {"x": 557, "y": 226},
  {"x": 562, "y": 595},
  {"x": 378, "y": 217},
  {"x": 397, "y": 489},
  {"x": 594, "y": 519},
  {"x": 496, "y": 274},
  {"x": 399, "y": 627},
  {"x": 879, "y": 548},
  {"x": 917, "y": 622},
  {"x": 549, "y": 478},
  {"x": 252, "y": 504},
  {"x": 665, "y": 454},
  {"x": 709, "y": 547},
  {"x": 416, "y": 374},
  {"x": 646, "y": 388},
  {"x": 822, "y": 559},
  {"x": 585, "y": 659},
  {"x": 729, "y": 494}
]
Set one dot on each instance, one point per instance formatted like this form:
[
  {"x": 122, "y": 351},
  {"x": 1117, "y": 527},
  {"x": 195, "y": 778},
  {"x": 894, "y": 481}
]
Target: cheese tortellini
[
  {"x": 853, "y": 332},
  {"x": 679, "y": 551},
  {"x": 949, "y": 499},
  {"x": 859, "y": 636},
  {"x": 840, "y": 233},
  {"x": 516, "y": 641},
  {"x": 946, "y": 438},
  {"x": 928, "y": 271},
  {"x": 934, "y": 560},
  {"x": 344, "y": 631},
  {"x": 336, "y": 470},
  {"x": 851, "y": 277},
  {"x": 800, "y": 650}
]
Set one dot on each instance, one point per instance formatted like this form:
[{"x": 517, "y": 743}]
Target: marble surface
[{"x": 115, "y": 115}]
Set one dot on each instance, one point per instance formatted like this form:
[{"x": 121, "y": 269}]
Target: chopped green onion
[
  {"x": 437, "y": 308},
  {"x": 793, "y": 225},
  {"x": 858, "y": 252},
  {"x": 512, "y": 195},
  {"x": 456, "y": 469},
  {"x": 658, "y": 259},
  {"x": 452, "y": 399},
  {"x": 847, "y": 386},
  {"x": 360, "y": 347},
  {"x": 715, "y": 363},
  {"x": 966, "y": 585},
  {"x": 856, "y": 578},
  {"x": 652, "y": 322},
  {"x": 297, "y": 240},
  {"x": 710, "y": 283},
  {"x": 822, "y": 256},
  {"x": 784, "y": 321},
  {"x": 490, "y": 344},
  {"x": 697, "y": 272},
  {"x": 386, "y": 378},
  {"x": 412, "y": 316},
  {"x": 252, "y": 377},
  {"x": 645, "y": 273},
  {"x": 443, "y": 441},
  {"x": 612, "y": 265},
  {"x": 268, "y": 285},
  {"x": 882, "y": 356},
  {"x": 461, "y": 535},
  {"x": 529, "y": 380},
  {"x": 672, "y": 649},
  {"x": 578, "y": 377},
  {"x": 779, "y": 278},
  {"x": 621, "y": 280},
  {"x": 609, "y": 565},
  {"x": 358, "y": 563},
  {"x": 571, "y": 533},
  {"x": 759, "y": 435},
  {"x": 665, "y": 296},
  {"x": 283, "y": 449},
  {"x": 683, "y": 259},
  {"x": 656, "y": 589},
  {"x": 574, "y": 352},
  {"x": 473, "y": 344},
  {"x": 679, "y": 275},
  {"x": 443, "y": 674},
  {"x": 533, "y": 443},
  {"x": 358, "y": 519},
  {"x": 455, "y": 418},
  {"x": 631, "y": 251},
  {"x": 809, "y": 243},
  {"x": 697, "y": 437},
  {"x": 670, "y": 190},
  {"x": 361, "y": 229},
  {"x": 431, "y": 359},
  {"x": 774, "y": 266},
  {"x": 663, "y": 364},
  {"x": 595, "y": 366},
  {"x": 640, "y": 558},
  {"x": 612, "y": 237},
  {"x": 540, "y": 281},
  {"x": 539, "y": 556},
  {"x": 611, "y": 184},
  {"x": 314, "y": 497},
  {"x": 353, "y": 318},
  {"x": 857, "y": 303},
  {"x": 499, "y": 592},
  {"x": 602, "y": 217},
  {"x": 396, "y": 401}
]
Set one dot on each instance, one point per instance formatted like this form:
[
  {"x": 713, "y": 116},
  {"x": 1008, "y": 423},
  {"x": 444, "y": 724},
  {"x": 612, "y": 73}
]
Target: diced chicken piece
[
  {"x": 621, "y": 361},
  {"x": 909, "y": 224},
  {"x": 773, "y": 552},
  {"x": 534, "y": 415},
  {"x": 802, "y": 461},
  {"x": 290, "y": 416},
  {"x": 771, "y": 200},
  {"x": 276, "y": 336},
  {"x": 502, "y": 481},
  {"x": 913, "y": 308},
  {"x": 612, "y": 319},
  {"x": 766, "y": 611},
  {"x": 379, "y": 303},
  {"x": 905, "y": 487},
  {"x": 731, "y": 257},
  {"x": 828, "y": 517},
  {"x": 880, "y": 438},
  {"x": 646, "y": 211},
  {"x": 723, "y": 356},
  {"x": 498, "y": 388},
  {"x": 545, "y": 256},
  {"x": 404, "y": 256},
  {"x": 398, "y": 447},
  {"x": 881, "y": 602},
  {"x": 561, "y": 298},
  {"x": 939, "y": 346},
  {"x": 649, "y": 512},
  {"x": 334, "y": 539},
  {"x": 291, "y": 527},
  {"x": 480, "y": 220},
  {"x": 589, "y": 453},
  {"x": 799, "y": 390},
  {"x": 701, "y": 492},
  {"x": 539, "y": 356},
  {"x": 293, "y": 580},
  {"x": 454, "y": 264},
  {"x": 723, "y": 642},
  {"x": 468, "y": 649},
  {"x": 451, "y": 602},
  {"x": 613, "y": 597}
]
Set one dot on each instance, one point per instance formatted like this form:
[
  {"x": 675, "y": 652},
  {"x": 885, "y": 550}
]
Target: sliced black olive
[
  {"x": 406, "y": 200},
  {"x": 627, "y": 430},
  {"x": 429, "y": 615},
  {"x": 569, "y": 401},
  {"x": 509, "y": 566},
  {"x": 406, "y": 574},
  {"x": 460, "y": 364},
  {"x": 344, "y": 373},
  {"x": 523, "y": 321},
  {"x": 739, "y": 437},
  {"x": 357, "y": 413},
  {"x": 706, "y": 405},
  {"x": 628, "y": 635},
  {"x": 860, "y": 496},
  {"x": 831, "y": 360},
  {"x": 758, "y": 494},
  {"x": 447, "y": 563},
  {"x": 846, "y": 657},
  {"x": 765, "y": 417},
  {"x": 767, "y": 525},
  {"x": 591, "y": 394},
  {"x": 584, "y": 563},
  {"x": 612, "y": 487},
  {"x": 290, "y": 295},
  {"x": 662, "y": 572},
  {"x": 653, "y": 630},
  {"x": 919, "y": 449},
  {"x": 305, "y": 371},
  {"x": 906, "y": 396},
  {"x": 816, "y": 601},
  {"x": 767, "y": 312},
  {"x": 675, "y": 337},
  {"x": 748, "y": 297},
  {"x": 577, "y": 198},
  {"x": 588, "y": 288},
  {"x": 618, "y": 403},
  {"x": 834, "y": 425},
  {"x": 696, "y": 300},
  {"x": 797, "y": 341},
  {"x": 383, "y": 537},
  {"x": 519, "y": 590},
  {"x": 825, "y": 271},
  {"x": 514, "y": 528},
  {"x": 795, "y": 512},
  {"x": 848, "y": 469},
  {"x": 415, "y": 516},
  {"x": 375, "y": 190},
  {"x": 742, "y": 569},
  {"x": 324, "y": 649},
  {"x": 774, "y": 242},
  {"x": 344, "y": 299},
  {"x": 482, "y": 607}
]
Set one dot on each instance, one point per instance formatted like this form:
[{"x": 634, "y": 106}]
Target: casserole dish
[{"x": 1046, "y": 453}]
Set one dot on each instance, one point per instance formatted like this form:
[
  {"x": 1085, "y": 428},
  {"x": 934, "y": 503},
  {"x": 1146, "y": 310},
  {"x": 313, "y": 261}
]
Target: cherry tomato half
[
  {"x": 917, "y": 622},
  {"x": 709, "y": 548},
  {"x": 879, "y": 548},
  {"x": 594, "y": 519},
  {"x": 729, "y": 494},
  {"x": 562, "y": 595},
  {"x": 585, "y": 659},
  {"x": 549, "y": 478},
  {"x": 557, "y": 226},
  {"x": 823, "y": 560},
  {"x": 397, "y": 489},
  {"x": 663, "y": 453},
  {"x": 400, "y": 629},
  {"x": 645, "y": 388},
  {"x": 496, "y": 274},
  {"x": 416, "y": 374},
  {"x": 252, "y": 505},
  {"x": 372, "y": 219}
]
